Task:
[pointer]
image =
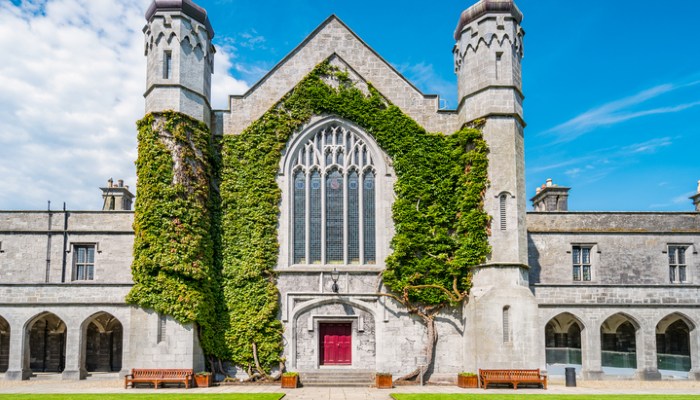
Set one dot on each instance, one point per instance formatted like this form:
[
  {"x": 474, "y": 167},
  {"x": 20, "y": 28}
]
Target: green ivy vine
[
  {"x": 210, "y": 259},
  {"x": 176, "y": 225},
  {"x": 441, "y": 228}
]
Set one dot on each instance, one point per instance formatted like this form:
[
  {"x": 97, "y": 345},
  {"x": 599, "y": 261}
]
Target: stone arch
[
  {"x": 46, "y": 350},
  {"x": 618, "y": 335},
  {"x": 306, "y": 330},
  {"x": 4, "y": 344},
  {"x": 673, "y": 343},
  {"x": 103, "y": 336},
  {"x": 563, "y": 339}
]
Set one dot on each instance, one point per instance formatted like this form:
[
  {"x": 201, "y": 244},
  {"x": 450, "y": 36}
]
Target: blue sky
[{"x": 612, "y": 88}]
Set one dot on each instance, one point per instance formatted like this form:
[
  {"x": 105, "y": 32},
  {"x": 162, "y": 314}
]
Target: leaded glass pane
[
  {"x": 577, "y": 273},
  {"x": 681, "y": 255},
  {"x": 299, "y": 218},
  {"x": 368, "y": 218},
  {"x": 334, "y": 217},
  {"x": 681, "y": 273},
  {"x": 91, "y": 255},
  {"x": 315, "y": 218},
  {"x": 586, "y": 253},
  {"x": 576, "y": 255},
  {"x": 586, "y": 272},
  {"x": 353, "y": 219},
  {"x": 672, "y": 255}
]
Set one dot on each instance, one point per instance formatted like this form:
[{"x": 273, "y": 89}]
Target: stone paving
[{"x": 109, "y": 384}]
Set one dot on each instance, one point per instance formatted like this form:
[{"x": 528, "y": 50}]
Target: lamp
[{"x": 334, "y": 277}]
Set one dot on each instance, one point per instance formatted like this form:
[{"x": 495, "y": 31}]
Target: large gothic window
[{"x": 333, "y": 199}]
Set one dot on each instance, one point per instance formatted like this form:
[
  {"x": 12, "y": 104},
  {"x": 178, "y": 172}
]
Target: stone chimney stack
[
  {"x": 696, "y": 199},
  {"x": 116, "y": 197},
  {"x": 550, "y": 197}
]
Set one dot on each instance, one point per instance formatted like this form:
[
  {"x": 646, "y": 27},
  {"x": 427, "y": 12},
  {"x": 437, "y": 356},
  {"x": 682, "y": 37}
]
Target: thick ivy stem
[{"x": 429, "y": 351}]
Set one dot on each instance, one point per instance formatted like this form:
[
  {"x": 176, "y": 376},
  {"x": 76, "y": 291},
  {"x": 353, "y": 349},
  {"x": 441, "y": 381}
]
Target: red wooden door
[{"x": 335, "y": 343}]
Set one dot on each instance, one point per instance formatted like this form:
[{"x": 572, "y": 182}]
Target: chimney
[
  {"x": 116, "y": 197},
  {"x": 696, "y": 199},
  {"x": 550, "y": 197}
]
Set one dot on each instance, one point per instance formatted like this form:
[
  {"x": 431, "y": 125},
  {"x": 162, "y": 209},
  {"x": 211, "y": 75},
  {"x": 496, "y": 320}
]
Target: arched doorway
[
  {"x": 673, "y": 343},
  {"x": 563, "y": 340},
  {"x": 4, "y": 344},
  {"x": 47, "y": 343},
  {"x": 619, "y": 342},
  {"x": 103, "y": 343}
]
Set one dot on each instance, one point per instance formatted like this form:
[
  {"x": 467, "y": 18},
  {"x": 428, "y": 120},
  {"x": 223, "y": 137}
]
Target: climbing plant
[
  {"x": 176, "y": 225},
  {"x": 441, "y": 228}
]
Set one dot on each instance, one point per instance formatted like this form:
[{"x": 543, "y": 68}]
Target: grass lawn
[
  {"x": 500, "y": 396},
  {"x": 139, "y": 396}
]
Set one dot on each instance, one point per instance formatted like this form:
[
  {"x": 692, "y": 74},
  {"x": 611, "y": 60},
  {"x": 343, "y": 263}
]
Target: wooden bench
[
  {"x": 512, "y": 376},
  {"x": 158, "y": 376}
]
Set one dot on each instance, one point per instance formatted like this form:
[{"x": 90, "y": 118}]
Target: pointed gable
[{"x": 333, "y": 39}]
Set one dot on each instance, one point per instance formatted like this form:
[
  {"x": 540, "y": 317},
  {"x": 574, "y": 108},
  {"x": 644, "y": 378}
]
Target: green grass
[
  {"x": 144, "y": 396},
  {"x": 499, "y": 396}
]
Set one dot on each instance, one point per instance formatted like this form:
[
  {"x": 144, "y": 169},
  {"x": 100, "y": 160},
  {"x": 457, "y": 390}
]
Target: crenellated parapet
[
  {"x": 493, "y": 32},
  {"x": 184, "y": 30},
  {"x": 180, "y": 58}
]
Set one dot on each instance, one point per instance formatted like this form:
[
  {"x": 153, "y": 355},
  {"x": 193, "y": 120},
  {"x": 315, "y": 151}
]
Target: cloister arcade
[
  {"x": 52, "y": 342},
  {"x": 623, "y": 343}
]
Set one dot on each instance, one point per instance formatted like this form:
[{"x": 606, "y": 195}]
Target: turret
[
  {"x": 487, "y": 62},
  {"x": 180, "y": 58}
]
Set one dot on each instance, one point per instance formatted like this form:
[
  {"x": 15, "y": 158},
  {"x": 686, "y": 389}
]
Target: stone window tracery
[{"x": 333, "y": 198}]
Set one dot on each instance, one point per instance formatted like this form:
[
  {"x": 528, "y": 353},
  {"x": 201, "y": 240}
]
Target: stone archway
[
  {"x": 618, "y": 335},
  {"x": 4, "y": 345},
  {"x": 563, "y": 340},
  {"x": 47, "y": 343},
  {"x": 673, "y": 343},
  {"x": 103, "y": 335}
]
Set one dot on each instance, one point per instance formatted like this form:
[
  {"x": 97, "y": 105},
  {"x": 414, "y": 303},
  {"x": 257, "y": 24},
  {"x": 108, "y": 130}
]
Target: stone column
[
  {"x": 646, "y": 353},
  {"x": 590, "y": 353},
  {"x": 694, "y": 373},
  {"x": 18, "y": 368},
  {"x": 75, "y": 354}
]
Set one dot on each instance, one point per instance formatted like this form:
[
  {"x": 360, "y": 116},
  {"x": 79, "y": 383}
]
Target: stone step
[
  {"x": 357, "y": 378},
  {"x": 46, "y": 376}
]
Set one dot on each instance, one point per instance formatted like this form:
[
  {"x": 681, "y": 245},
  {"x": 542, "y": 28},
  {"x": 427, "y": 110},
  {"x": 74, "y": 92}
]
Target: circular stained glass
[
  {"x": 299, "y": 184},
  {"x": 315, "y": 184},
  {"x": 369, "y": 184},
  {"x": 335, "y": 184},
  {"x": 353, "y": 185}
]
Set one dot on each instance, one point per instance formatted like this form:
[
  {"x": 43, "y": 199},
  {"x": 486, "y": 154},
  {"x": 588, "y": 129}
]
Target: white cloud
[
  {"x": 618, "y": 111},
  {"x": 72, "y": 79}
]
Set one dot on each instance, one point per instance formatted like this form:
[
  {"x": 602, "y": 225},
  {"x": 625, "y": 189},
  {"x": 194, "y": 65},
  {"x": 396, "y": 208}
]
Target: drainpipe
[
  {"x": 48, "y": 245},
  {"x": 65, "y": 242}
]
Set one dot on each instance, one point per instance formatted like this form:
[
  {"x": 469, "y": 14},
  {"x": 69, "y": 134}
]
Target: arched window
[
  {"x": 506, "y": 324},
  {"x": 333, "y": 199}
]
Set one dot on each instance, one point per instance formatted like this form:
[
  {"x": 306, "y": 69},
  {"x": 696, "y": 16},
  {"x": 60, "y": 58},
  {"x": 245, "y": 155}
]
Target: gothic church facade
[{"x": 606, "y": 293}]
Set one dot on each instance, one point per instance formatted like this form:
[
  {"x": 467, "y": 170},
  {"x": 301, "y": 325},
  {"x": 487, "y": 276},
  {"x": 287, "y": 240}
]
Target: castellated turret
[
  {"x": 487, "y": 58},
  {"x": 180, "y": 58}
]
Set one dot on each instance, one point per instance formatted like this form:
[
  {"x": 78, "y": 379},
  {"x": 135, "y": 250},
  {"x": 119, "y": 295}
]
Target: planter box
[
  {"x": 203, "y": 380},
  {"x": 467, "y": 381},
  {"x": 290, "y": 382},
  {"x": 384, "y": 381}
]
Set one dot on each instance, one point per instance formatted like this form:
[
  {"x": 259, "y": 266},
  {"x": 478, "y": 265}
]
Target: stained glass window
[{"x": 333, "y": 199}]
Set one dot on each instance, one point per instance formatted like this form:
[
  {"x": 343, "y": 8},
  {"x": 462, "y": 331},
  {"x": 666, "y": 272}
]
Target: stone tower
[
  {"x": 501, "y": 315},
  {"x": 180, "y": 58}
]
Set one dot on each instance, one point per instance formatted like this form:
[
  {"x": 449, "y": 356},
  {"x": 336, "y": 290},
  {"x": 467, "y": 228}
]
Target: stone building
[{"x": 607, "y": 293}]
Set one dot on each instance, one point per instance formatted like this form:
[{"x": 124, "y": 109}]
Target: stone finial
[{"x": 550, "y": 197}]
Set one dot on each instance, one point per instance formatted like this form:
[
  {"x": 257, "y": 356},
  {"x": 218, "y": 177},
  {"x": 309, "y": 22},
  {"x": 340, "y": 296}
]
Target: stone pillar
[
  {"x": 646, "y": 353},
  {"x": 18, "y": 368},
  {"x": 694, "y": 373},
  {"x": 75, "y": 354},
  {"x": 590, "y": 353}
]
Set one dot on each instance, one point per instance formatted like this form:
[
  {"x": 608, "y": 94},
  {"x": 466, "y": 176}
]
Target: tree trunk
[{"x": 429, "y": 351}]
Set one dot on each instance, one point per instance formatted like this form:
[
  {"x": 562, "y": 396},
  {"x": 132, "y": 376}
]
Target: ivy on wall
[
  {"x": 176, "y": 225},
  {"x": 211, "y": 260},
  {"x": 441, "y": 228}
]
